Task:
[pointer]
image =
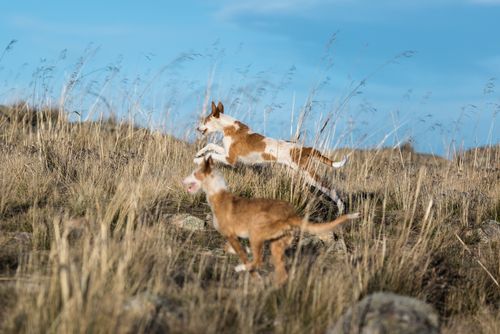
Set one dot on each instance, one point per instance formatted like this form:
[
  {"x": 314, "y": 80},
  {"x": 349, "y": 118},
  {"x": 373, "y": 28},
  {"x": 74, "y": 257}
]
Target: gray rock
[
  {"x": 76, "y": 228},
  {"x": 187, "y": 222},
  {"x": 489, "y": 231},
  {"x": 324, "y": 241},
  {"x": 14, "y": 246},
  {"x": 388, "y": 313},
  {"x": 148, "y": 313}
]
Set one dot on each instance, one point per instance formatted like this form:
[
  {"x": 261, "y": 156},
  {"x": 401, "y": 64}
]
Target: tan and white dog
[
  {"x": 256, "y": 219},
  {"x": 241, "y": 144}
]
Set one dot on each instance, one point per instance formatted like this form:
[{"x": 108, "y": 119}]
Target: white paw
[
  {"x": 198, "y": 161},
  {"x": 240, "y": 267}
]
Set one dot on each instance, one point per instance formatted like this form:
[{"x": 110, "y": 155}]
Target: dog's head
[
  {"x": 211, "y": 123},
  {"x": 194, "y": 182}
]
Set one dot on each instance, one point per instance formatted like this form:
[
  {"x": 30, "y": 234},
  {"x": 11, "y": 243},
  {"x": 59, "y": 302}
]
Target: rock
[
  {"x": 149, "y": 313},
  {"x": 323, "y": 241},
  {"x": 13, "y": 246},
  {"x": 186, "y": 221},
  {"x": 388, "y": 313},
  {"x": 23, "y": 239},
  {"x": 76, "y": 228},
  {"x": 489, "y": 231}
]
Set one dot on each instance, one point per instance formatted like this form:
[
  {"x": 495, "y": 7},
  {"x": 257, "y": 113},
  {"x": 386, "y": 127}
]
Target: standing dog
[
  {"x": 241, "y": 144},
  {"x": 257, "y": 219}
]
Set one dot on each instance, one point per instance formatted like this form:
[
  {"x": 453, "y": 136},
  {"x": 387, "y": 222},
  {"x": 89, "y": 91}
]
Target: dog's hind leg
[
  {"x": 278, "y": 248},
  {"x": 321, "y": 158},
  {"x": 314, "y": 180}
]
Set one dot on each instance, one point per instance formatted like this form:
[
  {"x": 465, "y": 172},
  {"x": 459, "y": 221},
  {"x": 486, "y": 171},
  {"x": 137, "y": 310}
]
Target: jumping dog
[{"x": 241, "y": 144}]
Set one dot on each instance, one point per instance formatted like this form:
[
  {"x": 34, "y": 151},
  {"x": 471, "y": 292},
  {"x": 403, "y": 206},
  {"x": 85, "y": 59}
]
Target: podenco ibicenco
[
  {"x": 257, "y": 219},
  {"x": 241, "y": 144}
]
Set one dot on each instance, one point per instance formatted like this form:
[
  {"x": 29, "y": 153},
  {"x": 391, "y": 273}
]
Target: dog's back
[{"x": 264, "y": 218}]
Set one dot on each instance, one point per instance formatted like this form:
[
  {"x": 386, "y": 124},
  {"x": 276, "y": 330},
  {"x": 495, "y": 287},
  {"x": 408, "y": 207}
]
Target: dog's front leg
[
  {"x": 235, "y": 244},
  {"x": 210, "y": 147},
  {"x": 217, "y": 157},
  {"x": 229, "y": 249}
]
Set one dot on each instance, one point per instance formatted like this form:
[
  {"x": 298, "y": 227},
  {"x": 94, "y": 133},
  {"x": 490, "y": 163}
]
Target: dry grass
[{"x": 94, "y": 198}]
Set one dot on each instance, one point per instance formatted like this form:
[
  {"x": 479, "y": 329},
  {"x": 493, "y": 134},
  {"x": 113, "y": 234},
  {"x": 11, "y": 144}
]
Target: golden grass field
[{"x": 86, "y": 245}]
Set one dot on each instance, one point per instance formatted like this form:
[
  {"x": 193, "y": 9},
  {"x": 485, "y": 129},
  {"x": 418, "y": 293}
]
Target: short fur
[
  {"x": 257, "y": 219},
  {"x": 241, "y": 144}
]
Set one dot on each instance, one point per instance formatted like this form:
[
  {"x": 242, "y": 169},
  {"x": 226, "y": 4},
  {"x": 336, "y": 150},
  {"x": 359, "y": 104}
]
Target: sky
[{"x": 370, "y": 73}]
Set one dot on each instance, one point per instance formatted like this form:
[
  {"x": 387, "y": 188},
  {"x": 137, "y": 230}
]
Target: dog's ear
[
  {"x": 207, "y": 165},
  {"x": 210, "y": 161},
  {"x": 220, "y": 107},
  {"x": 215, "y": 110},
  {"x": 214, "y": 107}
]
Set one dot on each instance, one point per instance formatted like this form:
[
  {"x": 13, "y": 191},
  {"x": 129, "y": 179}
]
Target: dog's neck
[
  {"x": 225, "y": 121},
  {"x": 214, "y": 184}
]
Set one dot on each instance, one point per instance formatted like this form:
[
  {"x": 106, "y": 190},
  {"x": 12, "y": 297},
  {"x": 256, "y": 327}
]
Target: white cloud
[
  {"x": 484, "y": 2},
  {"x": 491, "y": 64},
  {"x": 229, "y": 8},
  {"x": 68, "y": 28}
]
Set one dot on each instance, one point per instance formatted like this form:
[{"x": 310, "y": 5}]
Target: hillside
[{"x": 87, "y": 243}]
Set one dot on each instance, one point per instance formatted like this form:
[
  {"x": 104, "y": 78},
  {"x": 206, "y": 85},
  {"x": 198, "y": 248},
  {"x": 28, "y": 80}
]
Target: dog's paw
[
  {"x": 240, "y": 267},
  {"x": 198, "y": 160},
  {"x": 199, "y": 154}
]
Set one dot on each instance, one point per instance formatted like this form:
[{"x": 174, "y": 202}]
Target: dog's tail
[
  {"x": 318, "y": 228},
  {"x": 329, "y": 162}
]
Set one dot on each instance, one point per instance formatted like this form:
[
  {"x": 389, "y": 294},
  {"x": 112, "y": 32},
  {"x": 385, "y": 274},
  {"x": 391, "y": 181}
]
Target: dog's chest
[{"x": 227, "y": 141}]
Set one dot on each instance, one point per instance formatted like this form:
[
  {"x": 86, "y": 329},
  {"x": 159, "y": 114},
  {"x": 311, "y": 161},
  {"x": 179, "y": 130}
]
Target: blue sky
[{"x": 430, "y": 67}]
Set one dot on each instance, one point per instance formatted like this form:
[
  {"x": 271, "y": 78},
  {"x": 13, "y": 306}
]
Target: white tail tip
[
  {"x": 355, "y": 215},
  {"x": 340, "y": 163}
]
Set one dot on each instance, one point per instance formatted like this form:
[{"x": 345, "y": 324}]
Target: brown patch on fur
[
  {"x": 204, "y": 170},
  {"x": 302, "y": 156},
  {"x": 243, "y": 142}
]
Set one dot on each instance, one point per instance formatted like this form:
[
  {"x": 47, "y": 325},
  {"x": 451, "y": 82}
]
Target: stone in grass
[
  {"x": 12, "y": 247},
  {"x": 187, "y": 222},
  {"x": 388, "y": 313},
  {"x": 149, "y": 313},
  {"x": 489, "y": 231}
]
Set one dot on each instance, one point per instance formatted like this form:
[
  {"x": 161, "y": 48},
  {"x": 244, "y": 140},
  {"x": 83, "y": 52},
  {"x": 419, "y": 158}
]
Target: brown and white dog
[
  {"x": 256, "y": 219},
  {"x": 241, "y": 144}
]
